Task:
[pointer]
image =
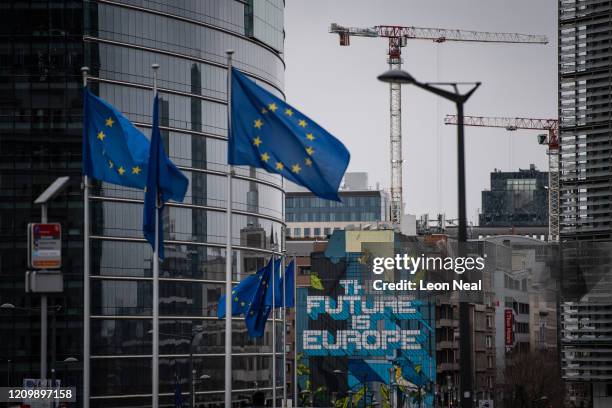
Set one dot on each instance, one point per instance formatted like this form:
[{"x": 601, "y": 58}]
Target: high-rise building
[
  {"x": 516, "y": 199},
  {"x": 584, "y": 119},
  {"x": 586, "y": 198},
  {"x": 43, "y": 45}
]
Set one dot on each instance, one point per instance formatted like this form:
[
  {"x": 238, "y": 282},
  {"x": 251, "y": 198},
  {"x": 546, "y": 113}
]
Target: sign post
[{"x": 44, "y": 245}]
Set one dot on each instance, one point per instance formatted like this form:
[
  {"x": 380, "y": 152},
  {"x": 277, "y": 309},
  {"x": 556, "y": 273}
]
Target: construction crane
[
  {"x": 398, "y": 36},
  {"x": 551, "y": 139}
]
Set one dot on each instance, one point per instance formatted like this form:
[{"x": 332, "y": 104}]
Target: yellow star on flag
[
  {"x": 265, "y": 157},
  {"x": 257, "y": 141},
  {"x": 288, "y": 112},
  {"x": 296, "y": 168},
  {"x": 109, "y": 122},
  {"x": 110, "y": 164},
  {"x": 309, "y": 150},
  {"x": 310, "y": 136},
  {"x": 136, "y": 170},
  {"x": 302, "y": 123},
  {"x": 258, "y": 124},
  {"x": 279, "y": 166},
  {"x": 272, "y": 107},
  {"x": 101, "y": 135},
  {"x": 121, "y": 170},
  {"x": 264, "y": 111},
  {"x": 308, "y": 161}
]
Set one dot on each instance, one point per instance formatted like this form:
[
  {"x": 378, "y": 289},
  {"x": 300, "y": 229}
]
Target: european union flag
[
  {"x": 242, "y": 295},
  {"x": 164, "y": 182},
  {"x": 288, "y": 298},
  {"x": 268, "y": 133},
  {"x": 113, "y": 149},
  {"x": 261, "y": 304}
]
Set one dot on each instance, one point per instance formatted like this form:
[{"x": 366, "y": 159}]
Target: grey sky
[{"x": 337, "y": 87}]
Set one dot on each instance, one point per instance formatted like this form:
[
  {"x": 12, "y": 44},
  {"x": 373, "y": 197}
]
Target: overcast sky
[{"x": 337, "y": 87}]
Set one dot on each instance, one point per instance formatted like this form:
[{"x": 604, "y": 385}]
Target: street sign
[
  {"x": 44, "y": 246},
  {"x": 509, "y": 327}
]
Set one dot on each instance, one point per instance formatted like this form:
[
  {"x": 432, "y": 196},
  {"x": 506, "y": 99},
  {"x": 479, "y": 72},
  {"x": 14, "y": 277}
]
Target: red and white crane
[
  {"x": 551, "y": 139},
  {"x": 398, "y": 36}
]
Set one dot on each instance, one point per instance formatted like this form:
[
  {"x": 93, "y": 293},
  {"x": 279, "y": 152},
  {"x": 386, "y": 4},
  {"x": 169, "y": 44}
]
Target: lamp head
[{"x": 396, "y": 76}]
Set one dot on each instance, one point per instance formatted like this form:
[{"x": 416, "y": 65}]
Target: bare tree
[{"x": 533, "y": 380}]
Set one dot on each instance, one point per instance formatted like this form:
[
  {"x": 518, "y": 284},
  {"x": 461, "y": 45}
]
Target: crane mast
[
  {"x": 397, "y": 38},
  {"x": 551, "y": 140}
]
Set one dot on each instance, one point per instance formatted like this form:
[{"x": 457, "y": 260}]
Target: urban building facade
[
  {"x": 516, "y": 199},
  {"x": 44, "y": 44},
  {"x": 586, "y": 197},
  {"x": 584, "y": 119},
  {"x": 309, "y": 216}
]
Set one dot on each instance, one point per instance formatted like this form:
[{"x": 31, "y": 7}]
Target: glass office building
[
  {"x": 309, "y": 216},
  {"x": 44, "y": 45},
  {"x": 516, "y": 198}
]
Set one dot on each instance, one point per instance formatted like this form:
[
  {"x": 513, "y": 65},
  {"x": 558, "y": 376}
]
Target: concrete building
[{"x": 42, "y": 48}]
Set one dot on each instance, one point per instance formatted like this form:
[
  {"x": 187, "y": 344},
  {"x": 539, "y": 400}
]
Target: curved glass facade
[
  {"x": 43, "y": 45},
  {"x": 188, "y": 39}
]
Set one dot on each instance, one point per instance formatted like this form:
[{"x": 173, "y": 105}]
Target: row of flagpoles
[{"x": 263, "y": 132}]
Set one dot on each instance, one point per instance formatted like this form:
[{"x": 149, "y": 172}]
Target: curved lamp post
[{"x": 396, "y": 76}]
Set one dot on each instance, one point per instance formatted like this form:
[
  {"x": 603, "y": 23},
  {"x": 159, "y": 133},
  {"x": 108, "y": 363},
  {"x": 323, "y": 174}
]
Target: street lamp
[
  {"x": 397, "y": 76},
  {"x": 192, "y": 373}
]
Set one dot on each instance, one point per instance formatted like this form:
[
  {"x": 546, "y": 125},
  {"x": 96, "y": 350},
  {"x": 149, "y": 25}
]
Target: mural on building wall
[{"x": 361, "y": 347}]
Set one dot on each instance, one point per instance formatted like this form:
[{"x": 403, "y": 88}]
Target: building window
[
  {"x": 489, "y": 341},
  {"x": 489, "y": 361},
  {"x": 489, "y": 321},
  {"x": 297, "y": 232},
  {"x": 327, "y": 231},
  {"x": 317, "y": 232},
  {"x": 306, "y": 232}
]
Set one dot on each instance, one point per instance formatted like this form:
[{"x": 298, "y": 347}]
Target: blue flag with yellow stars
[
  {"x": 164, "y": 182},
  {"x": 242, "y": 295},
  {"x": 268, "y": 133},
  {"x": 288, "y": 298},
  {"x": 258, "y": 311},
  {"x": 114, "y": 150}
]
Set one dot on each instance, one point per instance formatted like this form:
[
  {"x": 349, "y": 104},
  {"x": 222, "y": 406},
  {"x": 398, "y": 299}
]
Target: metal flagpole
[
  {"x": 284, "y": 404},
  {"x": 274, "y": 272},
  {"x": 228, "y": 249},
  {"x": 86, "y": 273},
  {"x": 155, "y": 362},
  {"x": 295, "y": 342},
  {"x": 284, "y": 275}
]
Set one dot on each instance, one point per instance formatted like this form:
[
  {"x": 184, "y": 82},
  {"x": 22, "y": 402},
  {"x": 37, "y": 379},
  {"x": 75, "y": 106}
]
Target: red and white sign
[
  {"x": 45, "y": 246},
  {"x": 509, "y": 326}
]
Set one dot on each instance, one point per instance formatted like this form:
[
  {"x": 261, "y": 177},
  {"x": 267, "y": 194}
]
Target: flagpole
[
  {"x": 284, "y": 405},
  {"x": 273, "y": 328},
  {"x": 86, "y": 274},
  {"x": 228, "y": 248},
  {"x": 155, "y": 362},
  {"x": 295, "y": 326},
  {"x": 283, "y": 248}
]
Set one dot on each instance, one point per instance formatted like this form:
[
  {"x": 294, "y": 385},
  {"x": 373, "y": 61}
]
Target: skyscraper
[
  {"x": 43, "y": 44},
  {"x": 585, "y": 116},
  {"x": 584, "y": 119}
]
